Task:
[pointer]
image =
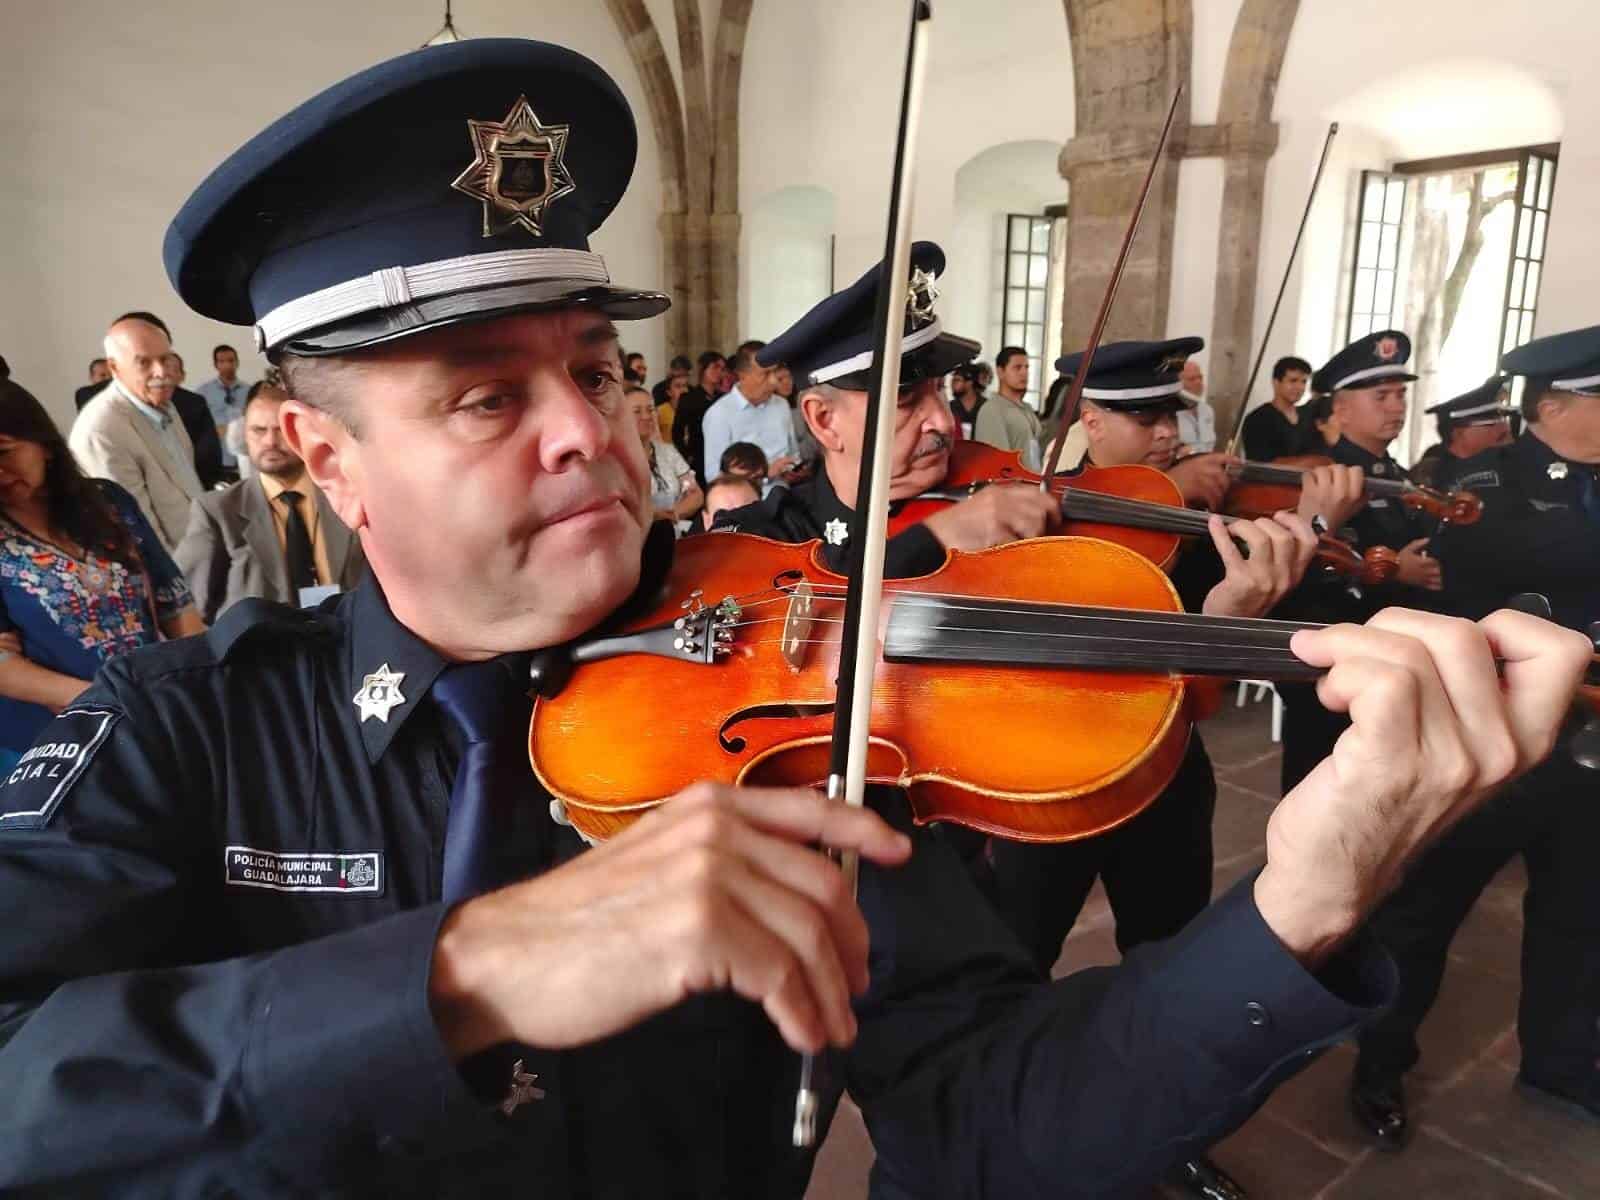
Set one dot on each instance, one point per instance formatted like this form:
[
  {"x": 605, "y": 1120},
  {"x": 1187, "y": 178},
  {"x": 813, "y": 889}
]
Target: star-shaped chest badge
[
  {"x": 519, "y": 170},
  {"x": 523, "y": 1089},
  {"x": 380, "y": 693},
  {"x": 835, "y": 531}
]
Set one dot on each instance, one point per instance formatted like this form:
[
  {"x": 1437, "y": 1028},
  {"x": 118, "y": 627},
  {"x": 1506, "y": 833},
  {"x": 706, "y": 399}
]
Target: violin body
[
  {"x": 1262, "y": 489},
  {"x": 975, "y": 464},
  {"x": 1030, "y": 753}
]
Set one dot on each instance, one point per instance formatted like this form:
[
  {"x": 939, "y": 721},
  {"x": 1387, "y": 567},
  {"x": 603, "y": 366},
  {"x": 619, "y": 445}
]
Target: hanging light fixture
[{"x": 447, "y": 32}]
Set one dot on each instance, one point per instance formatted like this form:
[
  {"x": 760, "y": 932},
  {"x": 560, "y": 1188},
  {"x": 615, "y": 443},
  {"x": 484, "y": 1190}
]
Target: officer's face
[
  {"x": 923, "y": 432},
  {"x": 497, "y": 481},
  {"x": 1467, "y": 440},
  {"x": 1119, "y": 439},
  {"x": 1372, "y": 415}
]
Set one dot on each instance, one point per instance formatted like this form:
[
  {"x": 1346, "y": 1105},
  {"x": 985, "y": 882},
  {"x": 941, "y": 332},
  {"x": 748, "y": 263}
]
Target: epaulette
[{"x": 253, "y": 619}]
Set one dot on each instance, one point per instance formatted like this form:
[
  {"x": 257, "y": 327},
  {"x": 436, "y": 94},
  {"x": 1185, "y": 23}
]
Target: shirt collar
[
  {"x": 275, "y": 487},
  {"x": 1351, "y": 455},
  {"x": 381, "y": 645},
  {"x": 160, "y": 417}
]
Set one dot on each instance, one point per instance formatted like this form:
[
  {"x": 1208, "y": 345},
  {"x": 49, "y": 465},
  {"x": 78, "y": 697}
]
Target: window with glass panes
[
  {"x": 1372, "y": 283},
  {"x": 1025, "y": 298},
  {"x": 1535, "y": 184}
]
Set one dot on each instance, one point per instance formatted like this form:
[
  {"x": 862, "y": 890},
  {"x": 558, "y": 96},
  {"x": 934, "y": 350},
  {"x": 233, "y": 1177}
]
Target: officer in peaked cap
[
  {"x": 300, "y": 917},
  {"x": 1367, "y": 385},
  {"x": 1038, "y": 890},
  {"x": 1468, "y": 425},
  {"x": 1539, "y": 533},
  {"x": 829, "y": 350}
]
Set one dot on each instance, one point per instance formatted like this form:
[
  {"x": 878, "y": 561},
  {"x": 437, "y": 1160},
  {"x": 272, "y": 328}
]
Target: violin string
[{"x": 956, "y": 601}]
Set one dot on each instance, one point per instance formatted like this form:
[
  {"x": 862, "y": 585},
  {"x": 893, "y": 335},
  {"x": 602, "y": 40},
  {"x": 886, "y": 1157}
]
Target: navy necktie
[{"x": 488, "y": 703}]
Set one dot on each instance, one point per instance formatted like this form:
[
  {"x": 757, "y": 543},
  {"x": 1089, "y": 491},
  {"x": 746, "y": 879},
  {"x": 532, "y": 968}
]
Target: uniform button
[{"x": 1257, "y": 1015}]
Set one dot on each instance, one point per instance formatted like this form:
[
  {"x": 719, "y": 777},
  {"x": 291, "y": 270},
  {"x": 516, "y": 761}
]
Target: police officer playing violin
[
  {"x": 1539, "y": 532},
  {"x": 1367, "y": 382},
  {"x": 287, "y": 913}
]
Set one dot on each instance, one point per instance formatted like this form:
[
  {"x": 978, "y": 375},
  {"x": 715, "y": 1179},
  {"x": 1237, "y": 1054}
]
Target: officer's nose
[{"x": 569, "y": 426}]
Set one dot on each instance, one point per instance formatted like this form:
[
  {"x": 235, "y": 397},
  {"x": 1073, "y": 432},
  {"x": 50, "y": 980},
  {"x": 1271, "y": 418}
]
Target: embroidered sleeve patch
[
  {"x": 342, "y": 873},
  {"x": 32, "y": 790},
  {"x": 1479, "y": 479}
]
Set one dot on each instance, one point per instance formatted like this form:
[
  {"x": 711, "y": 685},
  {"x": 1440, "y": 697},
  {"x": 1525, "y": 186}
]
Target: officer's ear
[
  {"x": 332, "y": 456},
  {"x": 820, "y": 408}
]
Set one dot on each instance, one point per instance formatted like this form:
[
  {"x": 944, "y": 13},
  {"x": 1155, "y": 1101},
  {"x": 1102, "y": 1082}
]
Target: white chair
[{"x": 1263, "y": 686}]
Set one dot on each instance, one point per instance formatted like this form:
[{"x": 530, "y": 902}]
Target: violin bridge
[{"x": 797, "y": 625}]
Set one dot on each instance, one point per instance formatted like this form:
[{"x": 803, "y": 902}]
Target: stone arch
[
  {"x": 1246, "y": 138},
  {"x": 1128, "y": 56},
  {"x": 699, "y": 221}
]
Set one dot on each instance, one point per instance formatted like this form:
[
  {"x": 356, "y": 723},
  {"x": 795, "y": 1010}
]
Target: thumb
[{"x": 1415, "y": 545}]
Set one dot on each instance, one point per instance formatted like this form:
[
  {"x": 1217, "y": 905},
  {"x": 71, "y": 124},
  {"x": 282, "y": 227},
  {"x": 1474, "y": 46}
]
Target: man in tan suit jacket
[
  {"x": 241, "y": 540},
  {"x": 131, "y": 434}
]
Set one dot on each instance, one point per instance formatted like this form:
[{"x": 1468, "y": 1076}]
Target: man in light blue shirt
[
  {"x": 749, "y": 414},
  {"x": 225, "y": 397}
]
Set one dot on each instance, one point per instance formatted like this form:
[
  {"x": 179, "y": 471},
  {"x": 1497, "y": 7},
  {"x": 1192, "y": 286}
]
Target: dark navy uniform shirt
[
  {"x": 222, "y": 894},
  {"x": 1539, "y": 532}
]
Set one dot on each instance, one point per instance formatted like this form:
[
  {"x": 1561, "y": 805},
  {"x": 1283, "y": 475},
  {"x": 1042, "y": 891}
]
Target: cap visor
[{"x": 391, "y": 324}]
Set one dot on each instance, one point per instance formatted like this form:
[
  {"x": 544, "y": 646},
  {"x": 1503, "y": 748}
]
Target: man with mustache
[{"x": 386, "y": 968}]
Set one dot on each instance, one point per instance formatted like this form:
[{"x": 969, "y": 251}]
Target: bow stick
[
  {"x": 1074, "y": 396},
  {"x": 1250, "y": 384},
  {"x": 869, "y": 521}
]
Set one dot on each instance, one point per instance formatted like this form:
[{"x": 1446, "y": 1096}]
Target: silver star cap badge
[
  {"x": 380, "y": 693},
  {"x": 920, "y": 296},
  {"x": 1557, "y": 470},
  {"x": 518, "y": 171},
  {"x": 522, "y": 1089},
  {"x": 836, "y": 531}
]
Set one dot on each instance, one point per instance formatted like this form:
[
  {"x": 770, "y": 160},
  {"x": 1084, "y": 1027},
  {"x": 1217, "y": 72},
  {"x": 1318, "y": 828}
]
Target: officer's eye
[
  {"x": 596, "y": 380},
  {"x": 492, "y": 404}
]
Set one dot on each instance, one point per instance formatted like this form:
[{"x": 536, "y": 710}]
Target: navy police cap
[
  {"x": 833, "y": 342},
  {"x": 454, "y": 183},
  {"x": 1571, "y": 360},
  {"x": 1483, "y": 404},
  {"x": 1379, "y": 357},
  {"x": 1135, "y": 376}
]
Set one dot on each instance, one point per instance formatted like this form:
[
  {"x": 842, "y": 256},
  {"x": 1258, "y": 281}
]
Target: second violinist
[{"x": 1157, "y": 865}]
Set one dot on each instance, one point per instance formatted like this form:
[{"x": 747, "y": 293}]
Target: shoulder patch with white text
[
  {"x": 32, "y": 790},
  {"x": 1479, "y": 479}
]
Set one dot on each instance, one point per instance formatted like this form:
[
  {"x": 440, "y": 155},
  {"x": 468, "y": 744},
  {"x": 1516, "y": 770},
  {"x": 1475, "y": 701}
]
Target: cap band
[
  {"x": 1370, "y": 373},
  {"x": 1477, "y": 410},
  {"x": 394, "y": 287},
  {"x": 1149, "y": 393},
  {"x": 860, "y": 362},
  {"x": 1568, "y": 385}
]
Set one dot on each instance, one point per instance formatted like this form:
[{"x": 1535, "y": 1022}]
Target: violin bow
[
  {"x": 1074, "y": 396},
  {"x": 1288, "y": 267},
  {"x": 869, "y": 522}
]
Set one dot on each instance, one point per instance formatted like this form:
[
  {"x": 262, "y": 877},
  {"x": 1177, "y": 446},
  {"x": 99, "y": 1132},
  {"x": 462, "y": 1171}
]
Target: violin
[
  {"x": 1135, "y": 506},
  {"x": 1265, "y": 488},
  {"x": 1021, "y": 641}
]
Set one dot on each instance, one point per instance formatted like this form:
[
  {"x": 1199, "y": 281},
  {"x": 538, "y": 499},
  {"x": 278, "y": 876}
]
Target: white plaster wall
[
  {"x": 996, "y": 74},
  {"x": 1194, "y": 249},
  {"x": 111, "y": 113},
  {"x": 788, "y": 259},
  {"x": 1212, "y": 34}
]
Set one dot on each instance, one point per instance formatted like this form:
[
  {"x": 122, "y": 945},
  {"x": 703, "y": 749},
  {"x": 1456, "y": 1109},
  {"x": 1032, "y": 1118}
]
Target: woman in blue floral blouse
[{"x": 82, "y": 576}]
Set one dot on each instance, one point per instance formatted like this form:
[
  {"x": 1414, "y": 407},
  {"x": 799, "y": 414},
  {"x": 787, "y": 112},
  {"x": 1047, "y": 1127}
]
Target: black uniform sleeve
[
  {"x": 128, "y": 1069},
  {"x": 1514, "y": 547},
  {"x": 979, "y": 1082}
]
